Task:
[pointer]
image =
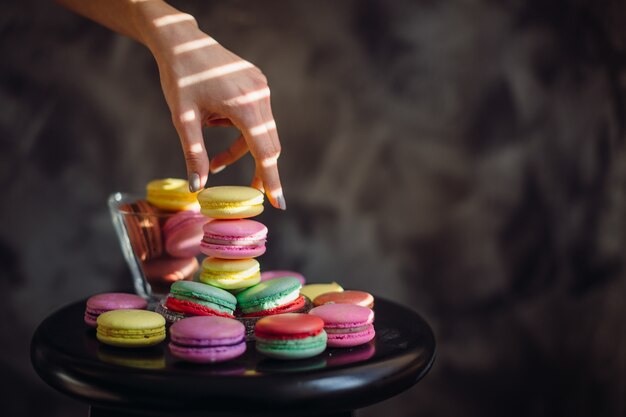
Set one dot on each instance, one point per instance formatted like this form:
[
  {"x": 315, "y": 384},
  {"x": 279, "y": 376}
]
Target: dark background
[{"x": 463, "y": 158}]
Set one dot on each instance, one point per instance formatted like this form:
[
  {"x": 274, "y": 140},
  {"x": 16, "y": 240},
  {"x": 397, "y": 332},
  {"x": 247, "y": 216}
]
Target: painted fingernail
[
  {"x": 194, "y": 182},
  {"x": 217, "y": 169},
  {"x": 281, "y": 202}
]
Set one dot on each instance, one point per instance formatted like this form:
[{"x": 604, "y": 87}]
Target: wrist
[{"x": 161, "y": 27}]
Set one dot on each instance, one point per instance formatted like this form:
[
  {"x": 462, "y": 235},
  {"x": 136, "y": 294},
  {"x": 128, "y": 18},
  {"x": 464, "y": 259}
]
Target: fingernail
[
  {"x": 217, "y": 169},
  {"x": 281, "y": 202},
  {"x": 194, "y": 182}
]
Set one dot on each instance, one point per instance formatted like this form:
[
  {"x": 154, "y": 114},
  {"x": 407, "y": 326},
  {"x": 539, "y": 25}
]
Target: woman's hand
[{"x": 204, "y": 85}]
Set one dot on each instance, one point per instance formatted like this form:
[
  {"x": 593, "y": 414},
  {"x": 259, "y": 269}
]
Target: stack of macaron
[
  {"x": 232, "y": 241},
  {"x": 164, "y": 231},
  {"x": 230, "y": 278}
]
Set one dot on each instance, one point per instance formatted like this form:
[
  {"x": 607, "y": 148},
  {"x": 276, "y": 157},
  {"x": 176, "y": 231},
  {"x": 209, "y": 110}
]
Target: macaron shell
[
  {"x": 183, "y": 234},
  {"x": 267, "y": 275},
  {"x": 290, "y": 325},
  {"x": 204, "y": 292},
  {"x": 294, "y": 348},
  {"x": 343, "y": 315},
  {"x": 269, "y": 295},
  {"x": 360, "y": 298},
  {"x": 171, "y": 194},
  {"x": 213, "y": 354},
  {"x": 236, "y": 230},
  {"x": 231, "y": 202},
  {"x": 102, "y": 303},
  {"x": 207, "y": 331},
  {"x": 115, "y": 301},
  {"x": 313, "y": 290}
]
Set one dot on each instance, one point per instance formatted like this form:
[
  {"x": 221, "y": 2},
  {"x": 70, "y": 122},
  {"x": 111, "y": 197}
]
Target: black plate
[{"x": 66, "y": 354}]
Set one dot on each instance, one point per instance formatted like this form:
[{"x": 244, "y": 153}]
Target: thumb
[{"x": 189, "y": 128}]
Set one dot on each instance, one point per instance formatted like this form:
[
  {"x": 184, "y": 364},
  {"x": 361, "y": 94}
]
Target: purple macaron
[
  {"x": 101, "y": 303},
  {"x": 267, "y": 275},
  {"x": 207, "y": 339},
  {"x": 346, "y": 325},
  {"x": 234, "y": 239}
]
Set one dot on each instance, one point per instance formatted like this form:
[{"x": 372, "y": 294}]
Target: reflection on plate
[
  {"x": 300, "y": 365},
  {"x": 222, "y": 368},
  {"x": 339, "y": 357},
  {"x": 143, "y": 358}
]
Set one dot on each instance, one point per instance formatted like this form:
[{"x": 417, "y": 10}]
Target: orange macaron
[{"x": 360, "y": 298}]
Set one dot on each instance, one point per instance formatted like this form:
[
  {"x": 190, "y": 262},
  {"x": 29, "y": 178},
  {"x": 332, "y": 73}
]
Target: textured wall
[{"x": 464, "y": 158}]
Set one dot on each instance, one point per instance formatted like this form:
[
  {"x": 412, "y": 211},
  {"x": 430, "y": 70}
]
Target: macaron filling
[
  {"x": 210, "y": 306},
  {"x": 285, "y": 336},
  {"x": 220, "y": 205},
  {"x": 200, "y": 299},
  {"x": 231, "y": 275},
  {"x": 345, "y": 330},
  {"x": 193, "y": 308},
  {"x": 93, "y": 314},
  {"x": 197, "y": 343},
  {"x": 131, "y": 333},
  {"x": 290, "y": 307},
  {"x": 204, "y": 299},
  {"x": 233, "y": 240}
]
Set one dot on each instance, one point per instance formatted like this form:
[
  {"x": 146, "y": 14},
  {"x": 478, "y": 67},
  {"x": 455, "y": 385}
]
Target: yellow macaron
[
  {"x": 231, "y": 202},
  {"x": 313, "y": 290},
  {"x": 230, "y": 274},
  {"x": 171, "y": 194},
  {"x": 130, "y": 328}
]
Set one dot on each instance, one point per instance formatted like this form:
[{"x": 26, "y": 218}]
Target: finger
[
  {"x": 187, "y": 124},
  {"x": 257, "y": 182},
  {"x": 264, "y": 151},
  {"x": 269, "y": 171},
  {"x": 238, "y": 149}
]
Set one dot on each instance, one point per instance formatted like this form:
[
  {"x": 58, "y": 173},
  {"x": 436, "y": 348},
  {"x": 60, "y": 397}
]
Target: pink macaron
[
  {"x": 234, "y": 239},
  {"x": 267, "y": 275},
  {"x": 101, "y": 303},
  {"x": 347, "y": 325},
  {"x": 183, "y": 233},
  {"x": 207, "y": 339}
]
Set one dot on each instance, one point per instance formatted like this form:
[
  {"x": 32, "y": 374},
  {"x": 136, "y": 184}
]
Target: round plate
[{"x": 67, "y": 355}]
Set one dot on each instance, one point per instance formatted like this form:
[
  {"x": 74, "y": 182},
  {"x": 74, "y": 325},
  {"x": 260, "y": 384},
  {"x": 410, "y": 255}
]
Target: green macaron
[
  {"x": 269, "y": 295},
  {"x": 197, "y": 298},
  {"x": 293, "y": 349}
]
